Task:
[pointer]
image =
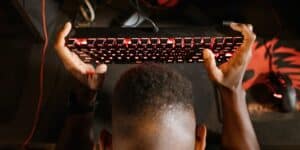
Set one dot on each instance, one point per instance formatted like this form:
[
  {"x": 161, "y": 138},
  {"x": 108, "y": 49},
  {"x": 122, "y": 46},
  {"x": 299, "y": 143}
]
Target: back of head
[{"x": 153, "y": 109}]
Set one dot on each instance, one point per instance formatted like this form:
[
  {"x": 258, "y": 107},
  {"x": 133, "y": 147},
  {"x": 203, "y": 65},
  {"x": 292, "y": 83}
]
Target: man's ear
[
  {"x": 200, "y": 137},
  {"x": 105, "y": 140}
]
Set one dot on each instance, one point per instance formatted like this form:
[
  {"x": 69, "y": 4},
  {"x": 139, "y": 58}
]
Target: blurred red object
[
  {"x": 159, "y": 4},
  {"x": 167, "y": 3}
]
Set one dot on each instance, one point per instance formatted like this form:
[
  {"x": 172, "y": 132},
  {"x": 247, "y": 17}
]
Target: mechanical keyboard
[{"x": 140, "y": 45}]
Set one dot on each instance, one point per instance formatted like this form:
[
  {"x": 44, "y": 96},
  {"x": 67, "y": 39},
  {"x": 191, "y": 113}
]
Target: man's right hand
[
  {"x": 230, "y": 74},
  {"x": 238, "y": 132},
  {"x": 86, "y": 73}
]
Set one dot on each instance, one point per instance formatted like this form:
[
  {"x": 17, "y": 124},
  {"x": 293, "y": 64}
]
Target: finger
[
  {"x": 250, "y": 27},
  {"x": 93, "y": 81},
  {"x": 62, "y": 51},
  {"x": 85, "y": 73},
  {"x": 246, "y": 30},
  {"x": 201, "y": 133},
  {"x": 244, "y": 53},
  {"x": 70, "y": 60},
  {"x": 100, "y": 71},
  {"x": 63, "y": 33},
  {"x": 96, "y": 78},
  {"x": 213, "y": 71},
  {"x": 89, "y": 69},
  {"x": 78, "y": 68},
  {"x": 243, "y": 28}
]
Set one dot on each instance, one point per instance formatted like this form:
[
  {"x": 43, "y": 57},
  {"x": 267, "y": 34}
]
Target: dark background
[{"x": 21, "y": 44}]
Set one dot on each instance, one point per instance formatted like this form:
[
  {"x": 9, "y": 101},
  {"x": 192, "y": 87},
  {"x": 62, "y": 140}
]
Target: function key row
[{"x": 208, "y": 42}]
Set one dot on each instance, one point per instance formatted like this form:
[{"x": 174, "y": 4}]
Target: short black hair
[{"x": 151, "y": 87}]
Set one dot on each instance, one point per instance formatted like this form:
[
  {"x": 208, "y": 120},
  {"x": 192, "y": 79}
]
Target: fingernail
[
  {"x": 67, "y": 24},
  {"x": 227, "y": 23},
  {"x": 101, "y": 69}
]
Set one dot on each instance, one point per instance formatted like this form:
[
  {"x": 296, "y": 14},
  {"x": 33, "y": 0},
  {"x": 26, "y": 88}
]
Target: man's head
[{"x": 152, "y": 109}]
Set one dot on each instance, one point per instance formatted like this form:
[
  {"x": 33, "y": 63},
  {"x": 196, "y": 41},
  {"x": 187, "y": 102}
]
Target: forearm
[
  {"x": 238, "y": 132},
  {"x": 78, "y": 129},
  {"x": 77, "y": 133}
]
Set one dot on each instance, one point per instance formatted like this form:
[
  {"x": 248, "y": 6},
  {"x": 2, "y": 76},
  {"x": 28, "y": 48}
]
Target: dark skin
[
  {"x": 238, "y": 132},
  {"x": 78, "y": 128}
]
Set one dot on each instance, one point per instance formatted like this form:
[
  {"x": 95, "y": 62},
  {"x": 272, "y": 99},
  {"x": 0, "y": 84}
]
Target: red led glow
[
  {"x": 168, "y": 3},
  {"x": 216, "y": 55},
  {"x": 170, "y": 41},
  {"x": 281, "y": 81},
  {"x": 81, "y": 41},
  {"x": 127, "y": 41},
  {"x": 213, "y": 39}
]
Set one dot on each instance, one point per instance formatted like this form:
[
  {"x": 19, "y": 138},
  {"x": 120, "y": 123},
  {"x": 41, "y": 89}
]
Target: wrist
[
  {"x": 84, "y": 95},
  {"x": 79, "y": 105},
  {"x": 232, "y": 95},
  {"x": 82, "y": 100}
]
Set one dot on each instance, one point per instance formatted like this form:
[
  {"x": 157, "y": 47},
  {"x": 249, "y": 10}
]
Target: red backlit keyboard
[{"x": 139, "y": 47}]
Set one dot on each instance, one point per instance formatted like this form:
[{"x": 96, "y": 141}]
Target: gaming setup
[{"x": 133, "y": 43}]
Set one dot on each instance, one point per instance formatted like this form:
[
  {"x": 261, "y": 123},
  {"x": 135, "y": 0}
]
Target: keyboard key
[
  {"x": 135, "y": 41},
  {"x": 100, "y": 42},
  {"x": 178, "y": 42},
  {"x": 206, "y": 40},
  {"x": 120, "y": 41},
  {"x": 170, "y": 43},
  {"x": 238, "y": 40},
  {"x": 70, "y": 42},
  {"x": 219, "y": 40},
  {"x": 188, "y": 42},
  {"x": 144, "y": 41},
  {"x": 197, "y": 41},
  {"x": 127, "y": 41},
  {"x": 163, "y": 41},
  {"x": 228, "y": 54},
  {"x": 154, "y": 41},
  {"x": 228, "y": 40},
  {"x": 81, "y": 41},
  {"x": 91, "y": 42},
  {"x": 110, "y": 41},
  {"x": 190, "y": 61},
  {"x": 170, "y": 61}
]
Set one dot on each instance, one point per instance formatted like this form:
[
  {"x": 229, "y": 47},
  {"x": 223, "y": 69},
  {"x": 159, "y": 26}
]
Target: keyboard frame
[{"x": 188, "y": 32}]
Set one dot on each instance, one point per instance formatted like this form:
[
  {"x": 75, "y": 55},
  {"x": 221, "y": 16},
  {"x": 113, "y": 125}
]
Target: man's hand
[
  {"x": 85, "y": 73},
  {"x": 78, "y": 127},
  {"x": 230, "y": 74},
  {"x": 238, "y": 132}
]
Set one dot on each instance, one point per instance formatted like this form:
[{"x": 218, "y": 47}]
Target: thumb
[
  {"x": 100, "y": 75},
  {"x": 101, "y": 69},
  {"x": 62, "y": 34},
  {"x": 213, "y": 71}
]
